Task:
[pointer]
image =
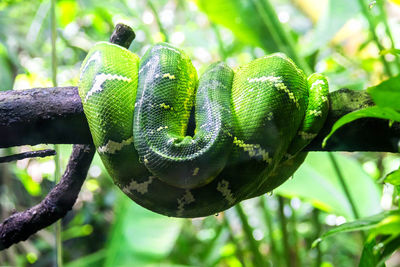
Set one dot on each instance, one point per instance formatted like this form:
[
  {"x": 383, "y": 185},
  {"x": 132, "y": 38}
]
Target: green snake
[{"x": 251, "y": 124}]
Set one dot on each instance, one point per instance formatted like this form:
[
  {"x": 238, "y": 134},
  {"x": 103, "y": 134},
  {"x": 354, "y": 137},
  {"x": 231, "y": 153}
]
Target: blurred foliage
[{"x": 349, "y": 41}]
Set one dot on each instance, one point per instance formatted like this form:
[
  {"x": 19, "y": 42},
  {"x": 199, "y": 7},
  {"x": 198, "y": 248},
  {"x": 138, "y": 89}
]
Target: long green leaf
[
  {"x": 375, "y": 112},
  {"x": 362, "y": 224}
]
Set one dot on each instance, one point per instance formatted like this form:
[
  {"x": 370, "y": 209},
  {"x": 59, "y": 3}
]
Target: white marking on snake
[
  {"x": 324, "y": 98},
  {"x": 315, "y": 112},
  {"x": 112, "y": 146},
  {"x": 278, "y": 83},
  {"x": 167, "y": 75},
  {"x": 223, "y": 187},
  {"x": 172, "y": 49},
  {"x": 161, "y": 127},
  {"x": 187, "y": 198},
  {"x": 306, "y": 135},
  {"x": 145, "y": 66},
  {"x": 100, "y": 79},
  {"x": 253, "y": 150},
  {"x": 196, "y": 171},
  {"x": 270, "y": 116},
  {"x": 316, "y": 83},
  {"x": 141, "y": 188},
  {"x": 171, "y": 140},
  {"x": 164, "y": 106},
  {"x": 94, "y": 58}
]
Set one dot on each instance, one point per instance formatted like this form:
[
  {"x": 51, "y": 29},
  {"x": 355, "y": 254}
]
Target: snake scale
[{"x": 251, "y": 124}]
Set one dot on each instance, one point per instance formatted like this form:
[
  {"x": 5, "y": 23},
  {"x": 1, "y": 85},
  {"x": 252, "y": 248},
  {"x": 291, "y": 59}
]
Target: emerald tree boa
[{"x": 251, "y": 125}]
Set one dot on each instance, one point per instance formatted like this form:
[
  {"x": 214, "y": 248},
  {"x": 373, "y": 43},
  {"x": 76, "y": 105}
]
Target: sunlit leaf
[
  {"x": 392, "y": 51},
  {"x": 374, "y": 111},
  {"x": 390, "y": 225},
  {"x": 242, "y": 18},
  {"x": 393, "y": 178},
  {"x": 336, "y": 14},
  {"x": 387, "y": 93},
  {"x": 68, "y": 10}
]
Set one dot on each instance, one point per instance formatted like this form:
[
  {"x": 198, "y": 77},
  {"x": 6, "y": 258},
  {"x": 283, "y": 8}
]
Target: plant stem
[
  {"x": 220, "y": 42},
  {"x": 346, "y": 191},
  {"x": 317, "y": 230},
  {"x": 387, "y": 29},
  {"x": 296, "y": 254},
  {"x": 232, "y": 237},
  {"x": 268, "y": 221},
  {"x": 372, "y": 26},
  {"x": 345, "y": 188},
  {"x": 282, "y": 38},
  {"x": 254, "y": 246},
  {"x": 53, "y": 23},
  {"x": 160, "y": 26},
  {"x": 285, "y": 235}
]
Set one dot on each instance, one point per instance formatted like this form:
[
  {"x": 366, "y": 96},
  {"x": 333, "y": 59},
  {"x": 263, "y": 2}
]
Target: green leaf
[
  {"x": 32, "y": 187},
  {"x": 375, "y": 112},
  {"x": 393, "y": 178},
  {"x": 362, "y": 224},
  {"x": 368, "y": 257},
  {"x": 242, "y": 18},
  {"x": 139, "y": 237},
  {"x": 336, "y": 14},
  {"x": 390, "y": 225},
  {"x": 387, "y": 93},
  {"x": 67, "y": 11},
  {"x": 316, "y": 182},
  {"x": 6, "y": 76},
  {"x": 392, "y": 51}
]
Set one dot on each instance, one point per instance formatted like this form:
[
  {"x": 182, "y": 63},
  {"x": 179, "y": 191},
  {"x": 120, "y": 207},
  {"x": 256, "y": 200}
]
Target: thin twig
[
  {"x": 58, "y": 202},
  {"x": 29, "y": 154}
]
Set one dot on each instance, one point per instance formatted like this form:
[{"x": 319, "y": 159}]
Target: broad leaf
[
  {"x": 139, "y": 236},
  {"x": 387, "y": 93},
  {"x": 317, "y": 183}
]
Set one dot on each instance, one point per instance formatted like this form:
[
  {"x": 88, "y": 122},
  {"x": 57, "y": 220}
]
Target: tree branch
[
  {"x": 27, "y": 114},
  {"x": 57, "y": 203},
  {"x": 29, "y": 154},
  {"x": 55, "y": 115}
]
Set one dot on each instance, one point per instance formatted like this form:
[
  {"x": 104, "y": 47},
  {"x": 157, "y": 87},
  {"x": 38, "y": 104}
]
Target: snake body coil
[{"x": 251, "y": 125}]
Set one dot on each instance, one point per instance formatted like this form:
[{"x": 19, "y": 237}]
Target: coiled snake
[{"x": 251, "y": 125}]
